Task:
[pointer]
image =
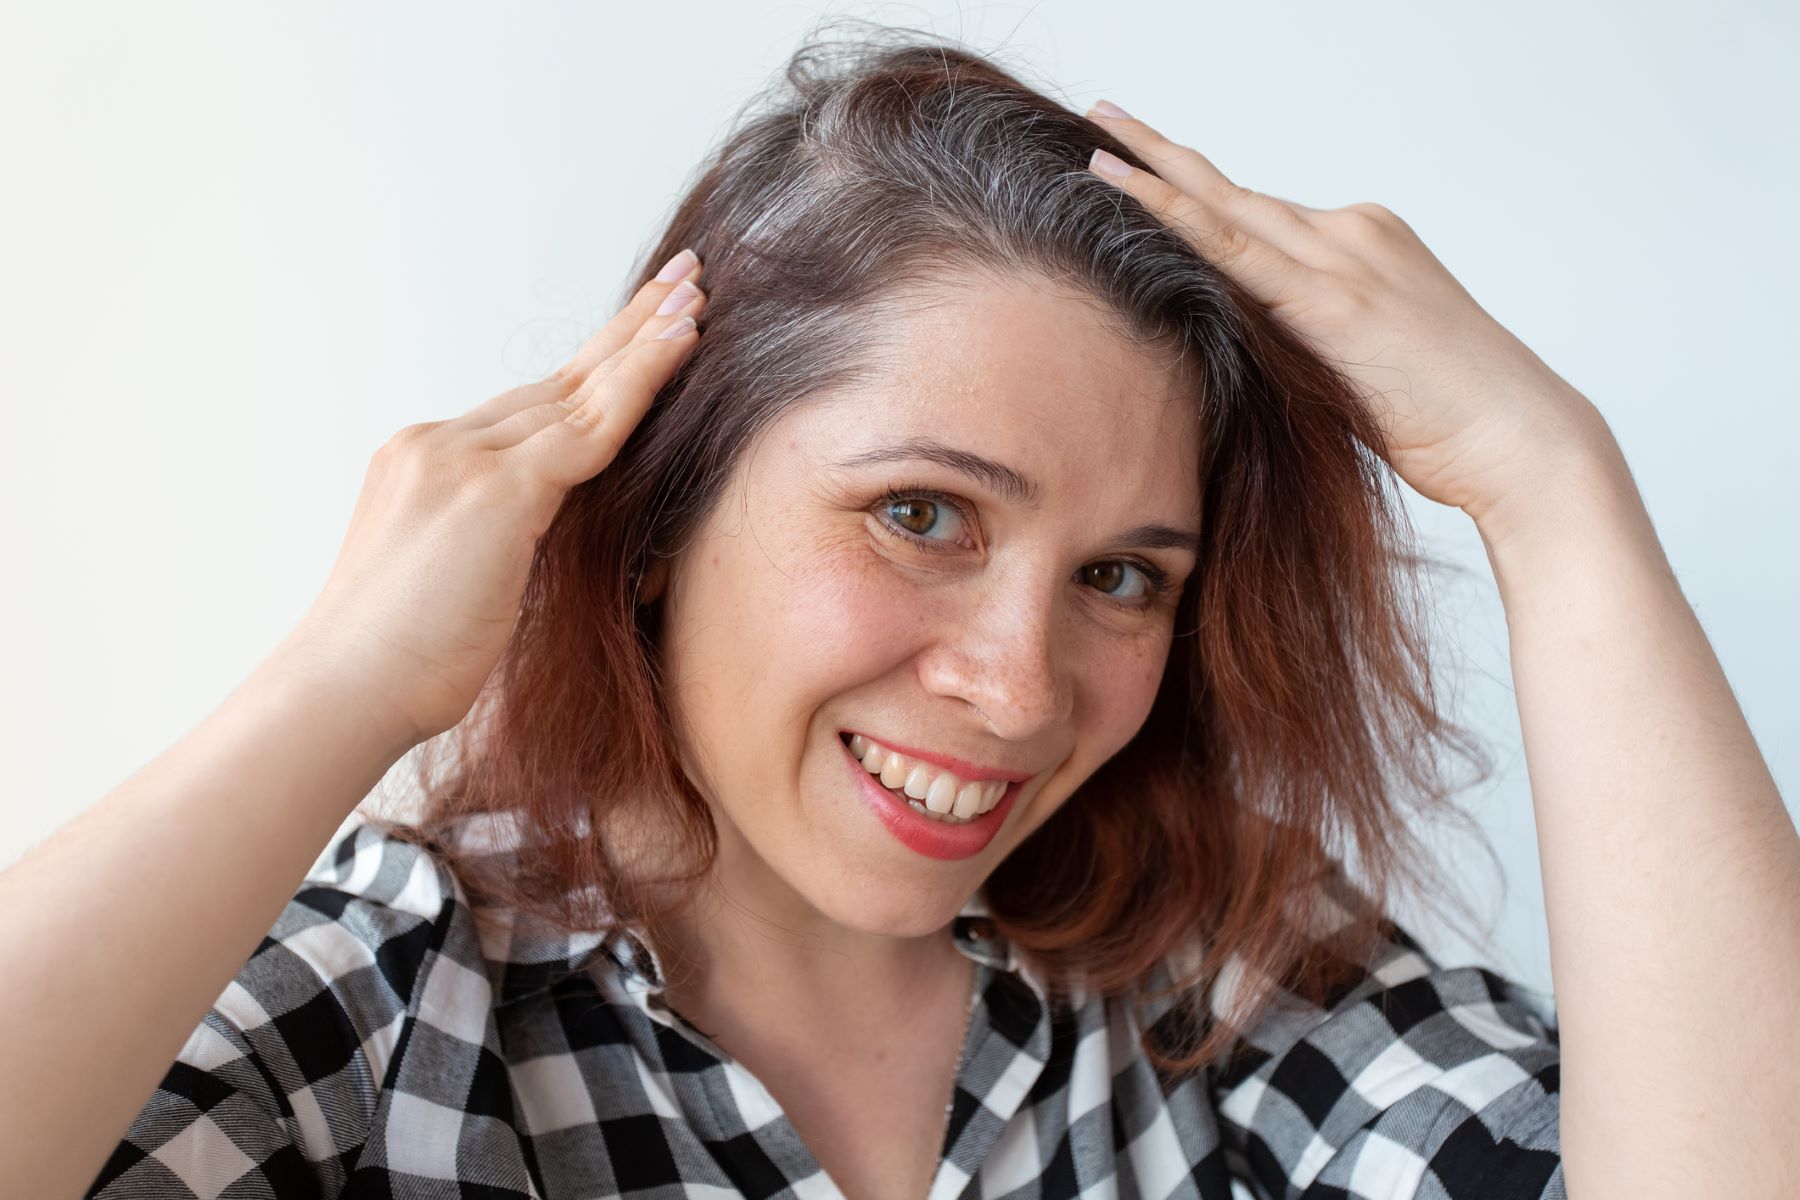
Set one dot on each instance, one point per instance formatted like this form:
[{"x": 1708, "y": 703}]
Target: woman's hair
[{"x": 1296, "y": 719}]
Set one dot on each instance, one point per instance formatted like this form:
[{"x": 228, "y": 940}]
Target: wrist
[
  {"x": 315, "y": 689},
  {"x": 1580, "y": 480},
  {"x": 1583, "y": 514}
]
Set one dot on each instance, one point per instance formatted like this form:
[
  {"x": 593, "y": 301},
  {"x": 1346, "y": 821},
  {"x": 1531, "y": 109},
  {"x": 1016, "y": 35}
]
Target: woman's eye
[
  {"x": 932, "y": 523},
  {"x": 1115, "y": 580},
  {"x": 920, "y": 517}
]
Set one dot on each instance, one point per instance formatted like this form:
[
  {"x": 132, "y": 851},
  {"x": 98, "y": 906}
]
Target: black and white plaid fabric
[{"x": 380, "y": 1043}]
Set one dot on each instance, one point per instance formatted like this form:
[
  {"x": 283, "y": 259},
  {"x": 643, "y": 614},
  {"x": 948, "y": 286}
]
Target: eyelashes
[{"x": 1159, "y": 586}]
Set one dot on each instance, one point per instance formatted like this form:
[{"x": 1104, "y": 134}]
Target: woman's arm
[
  {"x": 1671, "y": 868},
  {"x": 122, "y": 927}
]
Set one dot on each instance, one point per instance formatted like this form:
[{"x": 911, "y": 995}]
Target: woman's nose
[{"x": 1005, "y": 662}]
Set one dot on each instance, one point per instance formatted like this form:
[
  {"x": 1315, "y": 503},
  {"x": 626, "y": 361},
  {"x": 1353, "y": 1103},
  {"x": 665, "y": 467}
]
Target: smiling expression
[{"x": 975, "y": 557}]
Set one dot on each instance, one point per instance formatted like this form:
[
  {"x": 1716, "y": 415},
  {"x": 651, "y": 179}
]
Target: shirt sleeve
[
  {"x": 1416, "y": 1082},
  {"x": 274, "y": 1092}
]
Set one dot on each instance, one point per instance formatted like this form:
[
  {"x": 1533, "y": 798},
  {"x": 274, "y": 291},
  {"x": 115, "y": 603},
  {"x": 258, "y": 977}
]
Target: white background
[{"x": 242, "y": 245}]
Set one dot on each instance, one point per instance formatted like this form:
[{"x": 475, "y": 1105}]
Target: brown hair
[{"x": 1296, "y": 717}]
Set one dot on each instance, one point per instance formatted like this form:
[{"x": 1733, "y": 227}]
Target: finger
[
  {"x": 630, "y": 320},
  {"x": 605, "y": 411},
  {"x": 528, "y": 421},
  {"x": 684, "y": 267},
  {"x": 1277, "y": 222},
  {"x": 1219, "y": 237},
  {"x": 513, "y": 400},
  {"x": 1181, "y": 165}
]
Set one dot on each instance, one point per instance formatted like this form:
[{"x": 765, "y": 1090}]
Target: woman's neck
[{"x": 732, "y": 968}]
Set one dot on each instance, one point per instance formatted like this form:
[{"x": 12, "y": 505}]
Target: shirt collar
[{"x": 525, "y": 956}]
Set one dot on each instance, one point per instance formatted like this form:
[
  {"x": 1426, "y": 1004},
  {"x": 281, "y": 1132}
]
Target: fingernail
[
  {"x": 684, "y": 291},
  {"x": 1107, "y": 108},
  {"x": 676, "y": 267},
  {"x": 677, "y": 328},
  {"x": 1110, "y": 164}
]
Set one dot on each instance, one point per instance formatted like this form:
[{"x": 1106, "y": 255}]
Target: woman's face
[{"x": 966, "y": 619}]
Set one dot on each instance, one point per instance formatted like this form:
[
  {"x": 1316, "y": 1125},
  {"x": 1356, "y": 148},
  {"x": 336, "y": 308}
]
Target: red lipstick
[
  {"x": 933, "y": 839},
  {"x": 965, "y": 770}
]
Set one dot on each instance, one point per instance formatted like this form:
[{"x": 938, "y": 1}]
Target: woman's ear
[{"x": 655, "y": 579}]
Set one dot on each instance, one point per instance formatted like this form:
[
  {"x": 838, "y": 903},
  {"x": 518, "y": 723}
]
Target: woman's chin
[{"x": 901, "y": 912}]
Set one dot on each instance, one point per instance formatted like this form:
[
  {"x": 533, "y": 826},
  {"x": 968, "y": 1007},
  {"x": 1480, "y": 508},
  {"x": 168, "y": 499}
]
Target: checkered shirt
[{"x": 379, "y": 1043}]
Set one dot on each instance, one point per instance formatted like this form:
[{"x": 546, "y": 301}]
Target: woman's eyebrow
[
  {"x": 996, "y": 477},
  {"x": 1159, "y": 537},
  {"x": 1010, "y": 484}
]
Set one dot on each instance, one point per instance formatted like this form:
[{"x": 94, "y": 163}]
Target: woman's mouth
[
  {"x": 927, "y": 789},
  {"x": 912, "y": 820}
]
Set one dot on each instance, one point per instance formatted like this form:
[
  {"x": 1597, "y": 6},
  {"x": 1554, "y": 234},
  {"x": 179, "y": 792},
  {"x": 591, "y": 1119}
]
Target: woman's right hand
[{"x": 428, "y": 585}]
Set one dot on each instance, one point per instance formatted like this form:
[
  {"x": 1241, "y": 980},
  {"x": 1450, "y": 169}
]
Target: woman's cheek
[
  {"x": 1128, "y": 680},
  {"x": 847, "y": 591}
]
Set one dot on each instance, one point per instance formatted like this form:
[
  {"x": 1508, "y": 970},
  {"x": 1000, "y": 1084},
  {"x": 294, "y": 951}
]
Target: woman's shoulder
[
  {"x": 1392, "y": 967},
  {"x": 377, "y": 934},
  {"x": 371, "y": 867},
  {"x": 1408, "y": 1066},
  {"x": 378, "y": 895},
  {"x": 371, "y": 901},
  {"x": 284, "y": 1072}
]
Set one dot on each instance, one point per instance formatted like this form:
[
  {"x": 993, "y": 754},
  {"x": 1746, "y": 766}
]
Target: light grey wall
[{"x": 244, "y": 244}]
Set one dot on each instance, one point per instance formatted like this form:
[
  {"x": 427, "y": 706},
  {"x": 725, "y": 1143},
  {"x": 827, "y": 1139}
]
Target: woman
[{"x": 908, "y": 732}]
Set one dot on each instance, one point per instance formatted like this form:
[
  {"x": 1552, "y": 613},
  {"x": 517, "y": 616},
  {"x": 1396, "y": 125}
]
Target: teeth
[
  {"x": 942, "y": 794},
  {"x": 930, "y": 790}
]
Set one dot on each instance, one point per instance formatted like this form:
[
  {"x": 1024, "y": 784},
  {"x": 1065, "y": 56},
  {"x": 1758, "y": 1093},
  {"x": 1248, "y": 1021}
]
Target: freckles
[{"x": 1133, "y": 678}]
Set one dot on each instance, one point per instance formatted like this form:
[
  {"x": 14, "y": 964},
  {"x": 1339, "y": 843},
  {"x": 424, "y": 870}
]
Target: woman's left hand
[{"x": 1470, "y": 415}]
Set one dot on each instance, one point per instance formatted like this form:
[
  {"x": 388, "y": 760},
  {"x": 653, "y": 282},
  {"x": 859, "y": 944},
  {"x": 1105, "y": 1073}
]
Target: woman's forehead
[
  {"x": 1021, "y": 334},
  {"x": 1036, "y": 380}
]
